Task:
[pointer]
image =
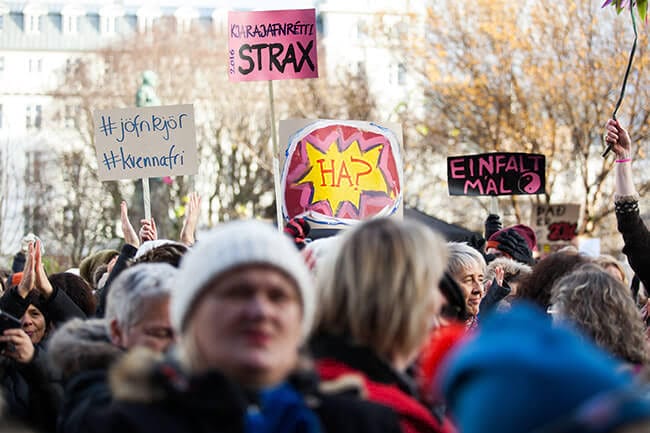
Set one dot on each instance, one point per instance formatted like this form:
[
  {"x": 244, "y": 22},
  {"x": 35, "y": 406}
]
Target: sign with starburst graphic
[{"x": 339, "y": 172}]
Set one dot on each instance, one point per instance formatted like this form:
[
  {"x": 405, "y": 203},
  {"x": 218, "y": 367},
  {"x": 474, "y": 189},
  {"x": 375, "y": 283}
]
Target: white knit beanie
[{"x": 234, "y": 244}]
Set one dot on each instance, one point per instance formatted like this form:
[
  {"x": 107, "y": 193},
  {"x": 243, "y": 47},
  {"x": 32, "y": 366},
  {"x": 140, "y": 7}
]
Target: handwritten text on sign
[
  {"x": 496, "y": 174},
  {"x": 144, "y": 142},
  {"x": 272, "y": 45},
  {"x": 340, "y": 172},
  {"x": 556, "y": 223}
]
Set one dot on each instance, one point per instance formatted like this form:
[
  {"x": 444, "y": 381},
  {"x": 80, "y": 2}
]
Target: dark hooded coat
[
  {"x": 82, "y": 353},
  {"x": 153, "y": 394}
]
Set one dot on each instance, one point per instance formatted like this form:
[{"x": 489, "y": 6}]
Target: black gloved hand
[
  {"x": 477, "y": 242},
  {"x": 492, "y": 225},
  {"x": 513, "y": 244}
]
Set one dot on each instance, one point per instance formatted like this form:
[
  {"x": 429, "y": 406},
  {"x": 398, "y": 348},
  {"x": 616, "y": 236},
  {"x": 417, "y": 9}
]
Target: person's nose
[
  {"x": 257, "y": 306},
  {"x": 26, "y": 321}
]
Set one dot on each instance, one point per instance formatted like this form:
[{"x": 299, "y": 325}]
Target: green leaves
[{"x": 641, "y": 6}]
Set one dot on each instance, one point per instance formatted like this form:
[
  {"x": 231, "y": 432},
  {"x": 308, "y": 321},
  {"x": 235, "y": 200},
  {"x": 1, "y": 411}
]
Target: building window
[
  {"x": 71, "y": 116},
  {"x": 358, "y": 69},
  {"x": 71, "y": 65},
  {"x": 362, "y": 29},
  {"x": 401, "y": 74},
  {"x": 183, "y": 24},
  {"x": 35, "y": 65},
  {"x": 108, "y": 25},
  {"x": 145, "y": 23},
  {"x": 397, "y": 74},
  {"x": 33, "y": 23},
  {"x": 33, "y": 116},
  {"x": 70, "y": 24}
]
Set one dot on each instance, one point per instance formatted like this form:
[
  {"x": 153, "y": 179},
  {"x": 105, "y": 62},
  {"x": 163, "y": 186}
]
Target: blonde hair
[
  {"x": 377, "y": 290},
  {"x": 512, "y": 269},
  {"x": 605, "y": 261}
]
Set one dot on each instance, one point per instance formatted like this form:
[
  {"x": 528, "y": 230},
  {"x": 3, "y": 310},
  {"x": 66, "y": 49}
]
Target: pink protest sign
[{"x": 272, "y": 45}]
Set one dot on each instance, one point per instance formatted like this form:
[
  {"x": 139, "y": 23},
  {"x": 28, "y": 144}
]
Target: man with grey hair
[
  {"x": 137, "y": 315},
  {"x": 137, "y": 308}
]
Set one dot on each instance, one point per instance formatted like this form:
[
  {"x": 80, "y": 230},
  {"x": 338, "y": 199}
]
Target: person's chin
[{"x": 257, "y": 358}]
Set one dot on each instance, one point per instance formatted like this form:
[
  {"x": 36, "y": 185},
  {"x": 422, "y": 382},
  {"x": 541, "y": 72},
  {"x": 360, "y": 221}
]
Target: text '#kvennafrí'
[{"x": 127, "y": 161}]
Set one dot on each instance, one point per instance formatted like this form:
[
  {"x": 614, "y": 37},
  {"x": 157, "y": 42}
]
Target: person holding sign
[{"x": 626, "y": 203}]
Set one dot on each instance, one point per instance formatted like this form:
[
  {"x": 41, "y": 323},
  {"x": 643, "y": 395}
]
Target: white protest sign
[
  {"x": 555, "y": 225},
  {"x": 144, "y": 142}
]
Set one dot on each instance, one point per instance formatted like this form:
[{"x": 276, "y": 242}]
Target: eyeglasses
[
  {"x": 604, "y": 412},
  {"x": 552, "y": 310}
]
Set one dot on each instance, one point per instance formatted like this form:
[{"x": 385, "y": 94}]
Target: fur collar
[
  {"x": 137, "y": 377},
  {"x": 82, "y": 345}
]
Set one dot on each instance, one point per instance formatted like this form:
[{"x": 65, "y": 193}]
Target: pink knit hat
[{"x": 526, "y": 232}]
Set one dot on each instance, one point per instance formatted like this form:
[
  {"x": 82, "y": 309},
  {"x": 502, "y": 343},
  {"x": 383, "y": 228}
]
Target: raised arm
[
  {"x": 636, "y": 236},
  {"x": 192, "y": 213}
]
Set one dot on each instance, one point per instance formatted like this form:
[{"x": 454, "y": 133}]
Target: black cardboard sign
[{"x": 497, "y": 173}]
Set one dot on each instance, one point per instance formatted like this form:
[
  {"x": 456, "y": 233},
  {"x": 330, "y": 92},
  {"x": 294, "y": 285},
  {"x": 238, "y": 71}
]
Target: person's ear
[{"x": 117, "y": 336}]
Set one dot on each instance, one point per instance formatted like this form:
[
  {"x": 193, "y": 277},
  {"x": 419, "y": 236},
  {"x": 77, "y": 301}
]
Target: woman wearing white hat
[{"x": 243, "y": 306}]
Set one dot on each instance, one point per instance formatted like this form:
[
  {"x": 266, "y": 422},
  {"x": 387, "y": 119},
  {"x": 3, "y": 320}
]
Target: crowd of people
[{"x": 385, "y": 327}]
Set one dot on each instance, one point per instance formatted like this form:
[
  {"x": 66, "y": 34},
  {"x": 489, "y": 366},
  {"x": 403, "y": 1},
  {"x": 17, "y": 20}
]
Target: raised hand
[
  {"x": 42, "y": 283},
  {"x": 499, "y": 274},
  {"x": 192, "y": 212},
  {"x": 130, "y": 236},
  {"x": 29, "y": 274},
  {"x": 618, "y": 138},
  {"x": 148, "y": 231}
]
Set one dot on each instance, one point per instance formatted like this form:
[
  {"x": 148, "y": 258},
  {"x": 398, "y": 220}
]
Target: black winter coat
[
  {"x": 81, "y": 352},
  {"x": 156, "y": 397},
  {"x": 637, "y": 240},
  {"x": 33, "y": 393},
  {"x": 32, "y": 397}
]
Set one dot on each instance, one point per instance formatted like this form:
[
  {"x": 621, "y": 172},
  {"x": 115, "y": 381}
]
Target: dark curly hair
[
  {"x": 170, "y": 253},
  {"x": 77, "y": 289},
  {"x": 537, "y": 286}
]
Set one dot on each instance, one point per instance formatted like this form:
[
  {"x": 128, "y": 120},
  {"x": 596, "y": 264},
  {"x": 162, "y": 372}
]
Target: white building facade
[{"x": 39, "y": 40}]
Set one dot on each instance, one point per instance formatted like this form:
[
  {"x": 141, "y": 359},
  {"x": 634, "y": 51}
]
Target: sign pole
[
  {"x": 146, "y": 196},
  {"x": 276, "y": 160},
  {"x": 494, "y": 205}
]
